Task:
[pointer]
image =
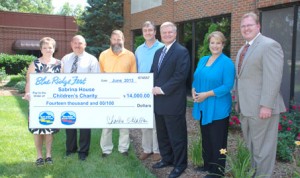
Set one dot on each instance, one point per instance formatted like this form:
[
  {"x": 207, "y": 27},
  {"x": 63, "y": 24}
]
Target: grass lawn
[{"x": 18, "y": 154}]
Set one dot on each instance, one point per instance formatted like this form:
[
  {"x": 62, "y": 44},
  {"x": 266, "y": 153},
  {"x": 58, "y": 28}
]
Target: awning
[{"x": 26, "y": 45}]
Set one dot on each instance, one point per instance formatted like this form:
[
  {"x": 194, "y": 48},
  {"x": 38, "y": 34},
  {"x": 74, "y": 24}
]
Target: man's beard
[{"x": 116, "y": 48}]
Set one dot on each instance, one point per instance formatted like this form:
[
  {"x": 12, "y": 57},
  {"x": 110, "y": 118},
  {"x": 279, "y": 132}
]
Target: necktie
[
  {"x": 242, "y": 55},
  {"x": 161, "y": 57},
  {"x": 74, "y": 66}
]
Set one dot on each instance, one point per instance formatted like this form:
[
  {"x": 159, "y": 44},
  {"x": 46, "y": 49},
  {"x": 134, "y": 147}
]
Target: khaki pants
[
  {"x": 106, "y": 140},
  {"x": 149, "y": 140},
  {"x": 261, "y": 138}
]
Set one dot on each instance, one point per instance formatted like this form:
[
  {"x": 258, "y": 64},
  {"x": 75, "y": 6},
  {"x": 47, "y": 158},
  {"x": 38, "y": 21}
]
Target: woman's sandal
[
  {"x": 48, "y": 160},
  {"x": 39, "y": 162}
]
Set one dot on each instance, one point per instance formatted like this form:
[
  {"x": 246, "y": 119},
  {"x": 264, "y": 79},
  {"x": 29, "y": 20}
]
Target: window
[{"x": 280, "y": 25}]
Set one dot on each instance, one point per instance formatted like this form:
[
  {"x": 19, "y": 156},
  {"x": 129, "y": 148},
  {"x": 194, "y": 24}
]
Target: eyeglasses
[{"x": 247, "y": 26}]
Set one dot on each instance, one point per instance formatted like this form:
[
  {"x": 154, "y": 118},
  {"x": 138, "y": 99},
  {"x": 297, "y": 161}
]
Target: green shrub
[
  {"x": 138, "y": 40},
  {"x": 222, "y": 26},
  {"x": 288, "y": 132},
  {"x": 20, "y": 86},
  {"x": 23, "y": 73},
  {"x": 2, "y": 74},
  {"x": 13, "y": 80},
  {"x": 13, "y": 64}
]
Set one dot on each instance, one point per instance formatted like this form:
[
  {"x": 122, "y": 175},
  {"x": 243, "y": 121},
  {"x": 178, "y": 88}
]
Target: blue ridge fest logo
[
  {"x": 68, "y": 118},
  {"x": 46, "y": 117}
]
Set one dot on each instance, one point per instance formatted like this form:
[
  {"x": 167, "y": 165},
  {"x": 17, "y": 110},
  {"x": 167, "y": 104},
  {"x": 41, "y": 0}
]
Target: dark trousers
[
  {"x": 84, "y": 141},
  {"x": 172, "y": 139},
  {"x": 214, "y": 138}
]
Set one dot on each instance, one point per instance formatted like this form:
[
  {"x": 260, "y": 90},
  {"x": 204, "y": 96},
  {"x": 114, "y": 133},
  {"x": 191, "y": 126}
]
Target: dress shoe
[
  {"x": 156, "y": 157},
  {"x": 125, "y": 153},
  {"x": 161, "y": 164},
  {"x": 104, "y": 155},
  {"x": 176, "y": 172},
  {"x": 82, "y": 157},
  {"x": 144, "y": 156},
  {"x": 69, "y": 154},
  {"x": 201, "y": 169}
]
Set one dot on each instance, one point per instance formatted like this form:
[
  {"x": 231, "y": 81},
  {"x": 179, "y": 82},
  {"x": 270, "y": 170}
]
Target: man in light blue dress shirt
[{"x": 144, "y": 55}]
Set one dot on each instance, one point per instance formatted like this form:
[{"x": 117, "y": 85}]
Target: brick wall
[
  {"x": 186, "y": 10},
  {"x": 25, "y": 26}
]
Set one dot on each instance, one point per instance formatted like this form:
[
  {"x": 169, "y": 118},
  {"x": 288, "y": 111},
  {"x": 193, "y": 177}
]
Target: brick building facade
[
  {"x": 20, "y": 32},
  {"x": 280, "y": 20}
]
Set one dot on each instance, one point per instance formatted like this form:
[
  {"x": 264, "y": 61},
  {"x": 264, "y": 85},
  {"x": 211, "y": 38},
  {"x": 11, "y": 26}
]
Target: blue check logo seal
[
  {"x": 68, "y": 118},
  {"x": 46, "y": 117}
]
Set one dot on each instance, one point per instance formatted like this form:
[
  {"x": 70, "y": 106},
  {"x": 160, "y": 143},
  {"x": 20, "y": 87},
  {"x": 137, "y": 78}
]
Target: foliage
[
  {"x": 189, "y": 103},
  {"x": 17, "y": 151},
  {"x": 234, "y": 122},
  {"x": 196, "y": 151},
  {"x": 2, "y": 74},
  {"x": 224, "y": 27},
  {"x": 23, "y": 74},
  {"x": 239, "y": 164},
  {"x": 20, "y": 86},
  {"x": 98, "y": 21},
  {"x": 68, "y": 10},
  {"x": 204, "y": 50},
  {"x": 288, "y": 132},
  {"x": 13, "y": 80},
  {"x": 138, "y": 40},
  {"x": 13, "y": 64},
  {"x": 29, "y": 6}
]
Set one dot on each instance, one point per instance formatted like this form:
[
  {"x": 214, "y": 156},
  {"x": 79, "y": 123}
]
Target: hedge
[{"x": 13, "y": 64}]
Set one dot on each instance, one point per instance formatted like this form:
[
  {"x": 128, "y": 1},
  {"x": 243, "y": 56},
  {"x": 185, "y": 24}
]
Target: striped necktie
[
  {"x": 161, "y": 58},
  {"x": 242, "y": 56},
  {"x": 75, "y": 64}
]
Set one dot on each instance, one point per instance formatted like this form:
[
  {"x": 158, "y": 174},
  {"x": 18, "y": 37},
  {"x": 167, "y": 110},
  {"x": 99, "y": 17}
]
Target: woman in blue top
[{"x": 213, "y": 81}]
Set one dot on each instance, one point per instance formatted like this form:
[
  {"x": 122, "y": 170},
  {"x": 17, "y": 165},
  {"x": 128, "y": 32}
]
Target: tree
[
  {"x": 69, "y": 10},
  {"x": 98, "y": 21},
  {"x": 30, "y": 6},
  {"x": 66, "y": 9}
]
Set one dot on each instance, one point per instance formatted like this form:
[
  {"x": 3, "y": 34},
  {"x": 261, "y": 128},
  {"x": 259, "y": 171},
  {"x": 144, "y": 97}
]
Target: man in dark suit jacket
[{"x": 171, "y": 67}]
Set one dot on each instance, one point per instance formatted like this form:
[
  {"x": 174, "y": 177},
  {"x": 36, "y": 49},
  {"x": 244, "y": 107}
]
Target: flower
[
  {"x": 231, "y": 123},
  {"x": 288, "y": 129},
  {"x": 223, "y": 151},
  {"x": 294, "y": 107},
  {"x": 296, "y": 142},
  {"x": 284, "y": 117},
  {"x": 298, "y": 136},
  {"x": 290, "y": 122},
  {"x": 279, "y": 127}
]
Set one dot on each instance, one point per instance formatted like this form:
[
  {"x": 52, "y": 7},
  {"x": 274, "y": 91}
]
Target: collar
[
  {"x": 252, "y": 41},
  {"x": 154, "y": 44},
  {"x": 113, "y": 54},
  {"x": 80, "y": 55},
  {"x": 169, "y": 46}
]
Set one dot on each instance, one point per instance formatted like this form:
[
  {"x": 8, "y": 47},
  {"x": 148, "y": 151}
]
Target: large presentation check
[{"x": 119, "y": 100}]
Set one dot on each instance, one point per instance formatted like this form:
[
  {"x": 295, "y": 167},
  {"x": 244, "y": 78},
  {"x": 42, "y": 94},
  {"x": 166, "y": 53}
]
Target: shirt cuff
[{"x": 162, "y": 91}]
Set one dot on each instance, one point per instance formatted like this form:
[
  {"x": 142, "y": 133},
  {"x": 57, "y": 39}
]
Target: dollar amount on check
[{"x": 122, "y": 100}]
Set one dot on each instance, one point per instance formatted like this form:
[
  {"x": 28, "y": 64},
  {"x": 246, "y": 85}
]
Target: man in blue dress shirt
[{"x": 144, "y": 55}]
